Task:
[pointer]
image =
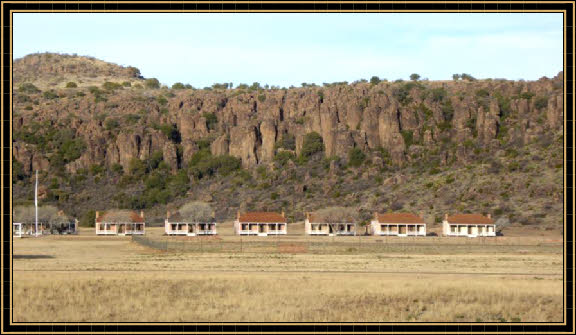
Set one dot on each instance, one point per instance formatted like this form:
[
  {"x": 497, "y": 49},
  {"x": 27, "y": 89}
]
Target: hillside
[{"x": 431, "y": 147}]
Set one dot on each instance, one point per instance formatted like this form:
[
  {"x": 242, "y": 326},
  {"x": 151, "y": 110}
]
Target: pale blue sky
[{"x": 288, "y": 49}]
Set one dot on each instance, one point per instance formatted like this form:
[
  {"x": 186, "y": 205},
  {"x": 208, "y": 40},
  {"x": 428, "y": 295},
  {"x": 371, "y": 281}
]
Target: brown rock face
[
  {"x": 170, "y": 156},
  {"x": 249, "y": 124},
  {"x": 243, "y": 144},
  {"x": 268, "y": 133}
]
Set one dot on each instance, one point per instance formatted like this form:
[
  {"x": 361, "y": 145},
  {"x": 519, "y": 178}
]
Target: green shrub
[
  {"x": 526, "y": 95},
  {"x": 50, "y": 95},
  {"x": 178, "y": 86},
  {"x": 541, "y": 102},
  {"x": 28, "y": 88},
  {"x": 152, "y": 83},
  {"x": 110, "y": 86},
  {"x": 374, "y": 80},
  {"x": 132, "y": 118},
  {"x": 448, "y": 111},
  {"x": 117, "y": 168},
  {"x": 127, "y": 84},
  {"x": 71, "y": 84},
  {"x": 96, "y": 169},
  {"x": 356, "y": 157},
  {"x": 408, "y": 136},
  {"x": 203, "y": 164},
  {"x": 312, "y": 144},
  {"x": 283, "y": 157},
  {"x": 161, "y": 100},
  {"x": 111, "y": 124},
  {"x": 443, "y": 126},
  {"x": 211, "y": 120},
  {"x": 482, "y": 93},
  {"x": 438, "y": 94},
  {"x": 262, "y": 98},
  {"x": 287, "y": 141},
  {"x": 136, "y": 167}
]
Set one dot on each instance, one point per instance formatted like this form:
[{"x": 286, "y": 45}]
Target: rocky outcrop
[{"x": 248, "y": 124}]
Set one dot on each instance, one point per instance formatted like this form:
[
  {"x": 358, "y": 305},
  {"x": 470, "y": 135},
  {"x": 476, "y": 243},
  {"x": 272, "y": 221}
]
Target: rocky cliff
[{"x": 395, "y": 125}]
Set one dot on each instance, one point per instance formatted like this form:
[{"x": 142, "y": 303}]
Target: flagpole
[{"x": 36, "y": 203}]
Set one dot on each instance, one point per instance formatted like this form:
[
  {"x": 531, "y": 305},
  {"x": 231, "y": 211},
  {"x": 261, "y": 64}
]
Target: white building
[
  {"x": 260, "y": 223},
  {"x": 469, "y": 225},
  {"x": 398, "y": 224},
  {"x": 315, "y": 226},
  {"x": 175, "y": 224},
  {"x": 120, "y": 222}
]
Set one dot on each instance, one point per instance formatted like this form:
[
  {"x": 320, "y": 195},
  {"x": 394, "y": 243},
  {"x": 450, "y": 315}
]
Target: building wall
[
  {"x": 422, "y": 229},
  {"x": 375, "y": 227}
]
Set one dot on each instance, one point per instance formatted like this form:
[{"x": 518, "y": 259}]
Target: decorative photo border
[{"x": 8, "y": 8}]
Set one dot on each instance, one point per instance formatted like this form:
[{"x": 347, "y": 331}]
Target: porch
[
  {"x": 471, "y": 230},
  {"x": 403, "y": 230}
]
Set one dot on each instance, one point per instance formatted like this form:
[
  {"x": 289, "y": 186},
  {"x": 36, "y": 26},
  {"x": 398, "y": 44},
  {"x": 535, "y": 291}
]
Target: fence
[{"x": 353, "y": 245}]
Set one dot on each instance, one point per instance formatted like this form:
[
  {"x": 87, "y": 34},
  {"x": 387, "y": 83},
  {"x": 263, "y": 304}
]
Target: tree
[
  {"x": 27, "y": 214},
  {"x": 455, "y": 76},
  {"x": 335, "y": 215},
  {"x": 88, "y": 219},
  {"x": 178, "y": 86},
  {"x": 374, "y": 80},
  {"x": 414, "y": 76},
  {"x": 152, "y": 83},
  {"x": 466, "y": 76},
  {"x": 502, "y": 223},
  {"x": 197, "y": 211},
  {"x": 136, "y": 167},
  {"x": 312, "y": 144}
]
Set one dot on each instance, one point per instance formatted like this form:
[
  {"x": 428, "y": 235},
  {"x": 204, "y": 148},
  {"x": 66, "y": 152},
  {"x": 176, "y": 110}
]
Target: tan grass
[{"x": 113, "y": 279}]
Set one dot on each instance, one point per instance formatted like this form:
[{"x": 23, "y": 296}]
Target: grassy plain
[{"x": 86, "y": 278}]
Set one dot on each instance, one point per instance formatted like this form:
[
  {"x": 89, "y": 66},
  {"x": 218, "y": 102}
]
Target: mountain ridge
[{"x": 397, "y": 135}]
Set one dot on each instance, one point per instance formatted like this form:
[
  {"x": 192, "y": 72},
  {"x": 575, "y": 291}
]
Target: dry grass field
[{"x": 86, "y": 278}]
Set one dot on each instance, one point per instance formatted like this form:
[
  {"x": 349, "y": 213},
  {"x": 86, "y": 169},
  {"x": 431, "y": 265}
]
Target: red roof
[
  {"x": 269, "y": 217},
  {"x": 399, "y": 218},
  {"x": 470, "y": 218},
  {"x": 119, "y": 216}
]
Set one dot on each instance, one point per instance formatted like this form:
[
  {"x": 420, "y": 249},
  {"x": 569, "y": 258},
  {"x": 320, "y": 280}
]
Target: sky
[{"x": 287, "y": 49}]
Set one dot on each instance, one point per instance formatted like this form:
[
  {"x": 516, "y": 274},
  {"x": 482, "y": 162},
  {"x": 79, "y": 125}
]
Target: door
[{"x": 402, "y": 230}]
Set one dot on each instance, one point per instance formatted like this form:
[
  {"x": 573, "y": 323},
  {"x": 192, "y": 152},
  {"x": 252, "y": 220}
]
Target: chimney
[
  {"x": 446, "y": 217},
  {"x": 283, "y": 214},
  {"x": 97, "y": 214},
  {"x": 142, "y": 214},
  {"x": 238, "y": 215},
  {"x": 308, "y": 215},
  {"x": 213, "y": 214},
  {"x": 375, "y": 215},
  {"x": 167, "y": 214},
  {"x": 489, "y": 215}
]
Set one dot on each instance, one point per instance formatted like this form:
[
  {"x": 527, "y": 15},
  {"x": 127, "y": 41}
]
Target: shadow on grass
[{"x": 32, "y": 256}]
